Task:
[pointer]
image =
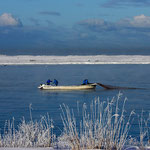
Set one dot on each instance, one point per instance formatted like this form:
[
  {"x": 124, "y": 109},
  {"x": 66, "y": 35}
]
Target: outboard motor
[{"x": 41, "y": 86}]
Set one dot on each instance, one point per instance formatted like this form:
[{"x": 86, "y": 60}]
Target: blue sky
[{"x": 74, "y": 26}]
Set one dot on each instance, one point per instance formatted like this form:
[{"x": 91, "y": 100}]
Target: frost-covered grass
[
  {"x": 28, "y": 134},
  {"x": 101, "y": 128},
  {"x": 144, "y": 129},
  {"x": 104, "y": 126}
]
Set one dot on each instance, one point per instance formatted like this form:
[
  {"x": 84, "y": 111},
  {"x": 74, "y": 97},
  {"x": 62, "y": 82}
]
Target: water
[
  {"x": 18, "y": 89},
  {"x": 63, "y": 51}
]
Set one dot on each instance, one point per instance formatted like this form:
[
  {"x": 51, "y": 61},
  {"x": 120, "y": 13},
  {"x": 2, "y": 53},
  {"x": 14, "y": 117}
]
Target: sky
[{"x": 64, "y": 27}]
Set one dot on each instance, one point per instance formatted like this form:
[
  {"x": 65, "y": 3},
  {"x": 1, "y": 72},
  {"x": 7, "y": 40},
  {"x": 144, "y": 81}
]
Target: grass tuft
[
  {"x": 31, "y": 134},
  {"x": 104, "y": 127}
]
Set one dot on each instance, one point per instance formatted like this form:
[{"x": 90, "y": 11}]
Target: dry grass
[
  {"x": 144, "y": 129},
  {"x": 28, "y": 134},
  {"x": 104, "y": 127}
]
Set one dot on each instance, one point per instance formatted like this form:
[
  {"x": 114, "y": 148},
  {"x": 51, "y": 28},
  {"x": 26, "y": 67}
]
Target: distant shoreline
[{"x": 73, "y": 59}]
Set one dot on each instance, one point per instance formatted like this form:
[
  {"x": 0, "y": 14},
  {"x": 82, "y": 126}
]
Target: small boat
[{"x": 69, "y": 87}]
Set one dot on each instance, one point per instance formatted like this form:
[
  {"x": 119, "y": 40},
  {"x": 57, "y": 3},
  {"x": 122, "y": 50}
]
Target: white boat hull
[{"x": 72, "y": 87}]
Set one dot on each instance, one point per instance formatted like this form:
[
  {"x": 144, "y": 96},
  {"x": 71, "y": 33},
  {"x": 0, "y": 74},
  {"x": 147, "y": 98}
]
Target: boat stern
[{"x": 41, "y": 86}]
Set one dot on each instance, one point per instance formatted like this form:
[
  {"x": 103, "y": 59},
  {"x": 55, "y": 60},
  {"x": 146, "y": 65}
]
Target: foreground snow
[
  {"x": 6, "y": 148},
  {"x": 95, "y": 59},
  {"x": 129, "y": 148}
]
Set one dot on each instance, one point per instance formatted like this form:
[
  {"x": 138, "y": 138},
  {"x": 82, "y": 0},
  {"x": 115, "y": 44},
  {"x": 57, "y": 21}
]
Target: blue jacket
[
  {"x": 55, "y": 82},
  {"x": 48, "y": 82},
  {"x": 85, "y": 82}
]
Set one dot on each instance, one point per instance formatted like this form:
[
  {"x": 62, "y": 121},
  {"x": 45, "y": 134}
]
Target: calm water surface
[{"x": 18, "y": 89}]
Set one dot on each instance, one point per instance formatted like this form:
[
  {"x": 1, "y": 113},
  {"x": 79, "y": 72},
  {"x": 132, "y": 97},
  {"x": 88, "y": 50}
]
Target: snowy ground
[
  {"x": 130, "y": 148},
  {"x": 26, "y": 148},
  {"x": 95, "y": 59}
]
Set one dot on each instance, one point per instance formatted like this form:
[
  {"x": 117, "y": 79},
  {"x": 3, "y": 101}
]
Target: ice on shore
[{"x": 74, "y": 59}]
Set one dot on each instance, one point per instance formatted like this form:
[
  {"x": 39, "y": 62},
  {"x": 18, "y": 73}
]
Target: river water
[{"x": 18, "y": 89}]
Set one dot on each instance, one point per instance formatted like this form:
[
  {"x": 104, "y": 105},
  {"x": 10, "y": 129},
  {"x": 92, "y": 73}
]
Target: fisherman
[
  {"x": 85, "y": 82},
  {"x": 55, "y": 82},
  {"x": 48, "y": 82}
]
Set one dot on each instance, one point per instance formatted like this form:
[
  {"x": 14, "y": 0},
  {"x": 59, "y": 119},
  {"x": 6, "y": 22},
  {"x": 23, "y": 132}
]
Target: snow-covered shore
[
  {"x": 8, "y": 148},
  {"x": 70, "y": 59},
  {"x": 129, "y": 148}
]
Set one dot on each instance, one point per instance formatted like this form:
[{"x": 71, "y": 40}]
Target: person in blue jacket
[
  {"x": 48, "y": 82},
  {"x": 85, "y": 82},
  {"x": 55, "y": 82}
]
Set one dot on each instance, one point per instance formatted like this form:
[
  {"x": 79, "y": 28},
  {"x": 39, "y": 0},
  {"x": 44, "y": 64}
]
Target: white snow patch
[
  {"x": 73, "y": 59},
  {"x": 8, "y": 148}
]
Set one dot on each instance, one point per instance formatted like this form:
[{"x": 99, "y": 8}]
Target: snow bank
[
  {"x": 70, "y": 59},
  {"x": 7, "y": 148}
]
